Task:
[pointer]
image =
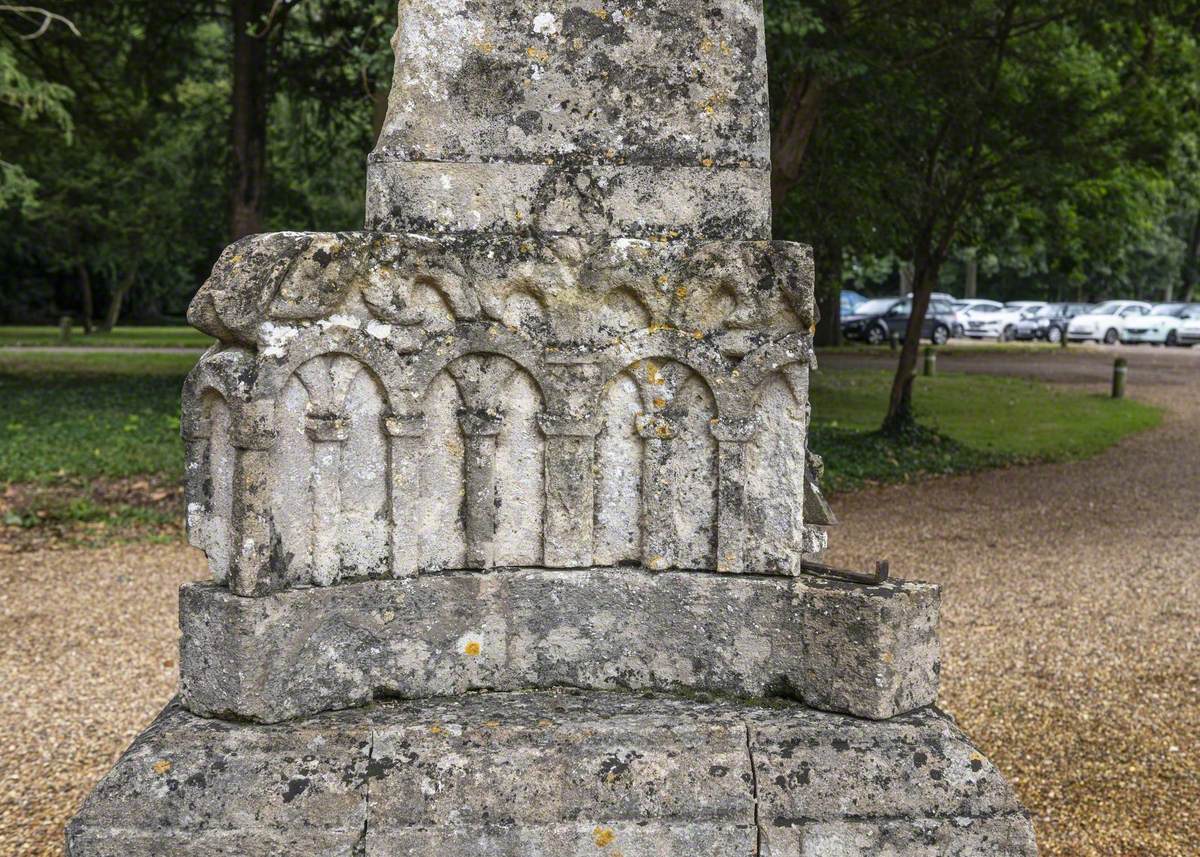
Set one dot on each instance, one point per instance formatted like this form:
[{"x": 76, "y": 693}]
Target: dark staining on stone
[
  {"x": 718, "y": 770},
  {"x": 583, "y": 24},
  {"x": 296, "y": 787},
  {"x": 840, "y": 744},
  {"x": 919, "y": 759}
]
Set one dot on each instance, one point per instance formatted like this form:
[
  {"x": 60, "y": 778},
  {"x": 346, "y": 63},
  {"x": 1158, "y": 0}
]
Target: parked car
[
  {"x": 999, "y": 323},
  {"x": 1189, "y": 327},
  {"x": 1105, "y": 322},
  {"x": 875, "y": 321},
  {"x": 851, "y": 300},
  {"x": 963, "y": 309},
  {"x": 1050, "y": 322},
  {"x": 1160, "y": 327}
]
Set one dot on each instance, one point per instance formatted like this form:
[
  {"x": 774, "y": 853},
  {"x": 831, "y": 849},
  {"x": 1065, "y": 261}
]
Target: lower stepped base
[{"x": 554, "y": 774}]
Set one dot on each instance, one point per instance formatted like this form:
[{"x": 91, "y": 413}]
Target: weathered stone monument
[{"x": 508, "y": 503}]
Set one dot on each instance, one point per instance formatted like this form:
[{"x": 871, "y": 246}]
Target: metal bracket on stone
[{"x": 864, "y": 578}]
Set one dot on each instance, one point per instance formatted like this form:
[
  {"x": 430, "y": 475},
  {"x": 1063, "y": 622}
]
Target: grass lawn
[
  {"x": 976, "y": 420},
  {"x": 121, "y": 337},
  {"x": 93, "y": 438}
]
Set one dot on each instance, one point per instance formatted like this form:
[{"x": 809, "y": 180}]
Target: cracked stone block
[
  {"x": 303, "y": 651},
  {"x": 546, "y": 774}
]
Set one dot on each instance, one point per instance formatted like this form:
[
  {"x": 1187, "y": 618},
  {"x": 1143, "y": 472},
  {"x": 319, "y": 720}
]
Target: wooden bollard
[
  {"x": 1120, "y": 373},
  {"x": 64, "y": 330},
  {"x": 930, "y": 362}
]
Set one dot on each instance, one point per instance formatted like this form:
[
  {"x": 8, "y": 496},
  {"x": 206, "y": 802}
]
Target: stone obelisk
[{"x": 508, "y": 501}]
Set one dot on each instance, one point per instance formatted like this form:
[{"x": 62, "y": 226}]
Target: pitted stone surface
[
  {"x": 551, "y": 774},
  {"x": 576, "y": 117},
  {"x": 304, "y": 651},
  {"x": 388, "y": 405}
]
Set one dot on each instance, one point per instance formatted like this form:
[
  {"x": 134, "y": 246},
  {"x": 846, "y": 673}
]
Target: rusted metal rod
[{"x": 865, "y": 578}]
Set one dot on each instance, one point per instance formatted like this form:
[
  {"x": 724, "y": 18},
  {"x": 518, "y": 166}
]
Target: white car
[
  {"x": 1160, "y": 327},
  {"x": 963, "y": 310},
  {"x": 999, "y": 321},
  {"x": 1189, "y": 327},
  {"x": 1105, "y": 322}
]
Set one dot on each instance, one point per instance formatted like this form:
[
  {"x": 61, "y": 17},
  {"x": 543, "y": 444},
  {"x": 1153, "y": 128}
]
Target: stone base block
[
  {"x": 553, "y": 774},
  {"x": 867, "y": 651}
]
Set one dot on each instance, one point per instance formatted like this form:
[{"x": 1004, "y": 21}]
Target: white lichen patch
[
  {"x": 347, "y": 321},
  {"x": 274, "y": 338},
  {"x": 545, "y": 24},
  {"x": 379, "y": 330},
  {"x": 433, "y": 43}
]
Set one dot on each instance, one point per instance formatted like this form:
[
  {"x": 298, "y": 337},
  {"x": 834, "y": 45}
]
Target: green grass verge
[
  {"x": 122, "y": 337},
  {"x": 89, "y": 415},
  {"x": 85, "y": 416},
  {"x": 974, "y": 421}
]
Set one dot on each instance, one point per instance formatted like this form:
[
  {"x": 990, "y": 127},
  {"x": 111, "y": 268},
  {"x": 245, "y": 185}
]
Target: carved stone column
[
  {"x": 660, "y": 548},
  {"x": 732, "y": 434},
  {"x": 405, "y": 440},
  {"x": 570, "y": 490},
  {"x": 329, "y": 433},
  {"x": 480, "y": 429},
  {"x": 253, "y": 570}
]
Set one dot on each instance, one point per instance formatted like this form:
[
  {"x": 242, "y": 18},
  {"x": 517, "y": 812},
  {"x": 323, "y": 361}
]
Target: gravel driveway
[
  {"x": 1071, "y": 617},
  {"x": 1071, "y": 624}
]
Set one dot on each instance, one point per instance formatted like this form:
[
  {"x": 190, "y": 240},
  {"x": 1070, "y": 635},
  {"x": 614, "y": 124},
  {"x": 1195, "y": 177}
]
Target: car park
[
  {"x": 876, "y": 321},
  {"x": 1049, "y": 324},
  {"x": 1159, "y": 327},
  {"x": 1189, "y": 327},
  {"x": 1105, "y": 322}
]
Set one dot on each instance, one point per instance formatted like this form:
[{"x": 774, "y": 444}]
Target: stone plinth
[
  {"x": 868, "y": 652},
  {"x": 551, "y": 774}
]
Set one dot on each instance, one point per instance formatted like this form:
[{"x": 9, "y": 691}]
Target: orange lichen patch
[
  {"x": 162, "y": 766},
  {"x": 603, "y": 836},
  {"x": 707, "y": 162},
  {"x": 545, "y": 724},
  {"x": 697, "y": 334},
  {"x": 706, "y": 45},
  {"x": 681, "y": 292},
  {"x": 660, "y": 403},
  {"x": 601, "y": 13},
  {"x": 435, "y": 729},
  {"x": 473, "y": 648},
  {"x": 485, "y": 47},
  {"x": 537, "y": 53},
  {"x": 492, "y": 724},
  {"x": 662, "y": 279}
]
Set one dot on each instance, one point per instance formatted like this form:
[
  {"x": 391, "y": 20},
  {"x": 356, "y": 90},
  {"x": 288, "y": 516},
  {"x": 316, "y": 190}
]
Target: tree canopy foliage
[{"x": 1054, "y": 143}]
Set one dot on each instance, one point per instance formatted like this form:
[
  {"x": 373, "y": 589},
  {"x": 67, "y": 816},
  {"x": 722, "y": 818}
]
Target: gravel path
[
  {"x": 1072, "y": 611},
  {"x": 1071, "y": 617}
]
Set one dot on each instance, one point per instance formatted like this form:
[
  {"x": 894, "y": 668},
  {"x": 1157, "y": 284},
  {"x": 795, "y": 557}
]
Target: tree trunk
[
  {"x": 900, "y": 417},
  {"x": 85, "y": 291},
  {"x": 829, "y": 297},
  {"x": 971, "y": 288},
  {"x": 248, "y": 125},
  {"x": 797, "y": 121},
  {"x": 1191, "y": 263},
  {"x": 118, "y": 298}
]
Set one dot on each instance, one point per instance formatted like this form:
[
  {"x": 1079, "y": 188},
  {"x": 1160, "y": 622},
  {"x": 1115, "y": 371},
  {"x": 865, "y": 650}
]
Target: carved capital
[
  {"x": 404, "y": 425},
  {"x": 327, "y": 428},
  {"x": 480, "y": 423}
]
